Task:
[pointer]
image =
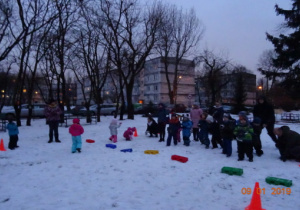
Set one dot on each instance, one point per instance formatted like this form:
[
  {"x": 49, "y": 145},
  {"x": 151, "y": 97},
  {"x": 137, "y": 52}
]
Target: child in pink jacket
[{"x": 76, "y": 130}]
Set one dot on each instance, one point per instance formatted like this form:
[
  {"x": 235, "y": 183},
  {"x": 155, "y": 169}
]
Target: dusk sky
[{"x": 237, "y": 27}]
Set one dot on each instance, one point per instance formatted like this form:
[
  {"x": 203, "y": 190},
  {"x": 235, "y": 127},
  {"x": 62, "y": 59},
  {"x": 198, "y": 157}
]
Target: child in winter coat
[
  {"x": 203, "y": 133},
  {"x": 129, "y": 133},
  {"x": 13, "y": 132},
  {"x": 227, "y": 135},
  {"x": 257, "y": 128},
  {"x": 174, "y": 126},
  {"x": 243, "y": 132},
  {"x": 113, "y": 127},
  {"x": 76, "y": 130},
  {"x": 152, "y": 127},
  {"x": 186, "y": 130}
]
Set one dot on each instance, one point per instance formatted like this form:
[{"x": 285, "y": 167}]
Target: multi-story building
[
  {"x": 152, "y": 84},
  {"x": 227, "y": 94}
]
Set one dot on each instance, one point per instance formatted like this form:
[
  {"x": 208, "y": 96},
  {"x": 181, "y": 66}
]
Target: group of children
[{"x": 245, "y": 132}]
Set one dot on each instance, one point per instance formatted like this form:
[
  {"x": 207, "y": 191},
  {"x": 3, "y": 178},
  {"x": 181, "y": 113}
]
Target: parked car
[
  {"x": 37, "y": 110},
  {"x": 106, "y": 109},
  {"x": 180, "y": 108}
]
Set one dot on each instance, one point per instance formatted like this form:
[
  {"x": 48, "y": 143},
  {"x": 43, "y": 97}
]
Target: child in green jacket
[{"x": 243, "y": 133}]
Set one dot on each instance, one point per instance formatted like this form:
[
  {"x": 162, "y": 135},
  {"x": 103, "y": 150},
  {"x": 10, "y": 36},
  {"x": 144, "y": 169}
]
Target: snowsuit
[
  {"x": 215, "y": 127},
  {"x": 76, "y": 130},
  {"x": 128, "y": 134},
  {"x": 113, "y": 127},
  {"x": 186, "y": 131},
  {"x": 203, "y": 134},
  {"x": 174, "y": 126},
  {"x": 152, "y": 128},
  {"x": 13, "y": 132},
  {"x": 257, "y": 128},
  {"x": 243, "y": 134},
  {"x": 227, "y": 135}
]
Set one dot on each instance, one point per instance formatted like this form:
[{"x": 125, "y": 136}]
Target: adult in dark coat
[
  {"x": 162, "y": 120},
  {"x": 265, "y": 112},
  {"x": 52, "y": 114},
  {"x": 288, "y": 143}
]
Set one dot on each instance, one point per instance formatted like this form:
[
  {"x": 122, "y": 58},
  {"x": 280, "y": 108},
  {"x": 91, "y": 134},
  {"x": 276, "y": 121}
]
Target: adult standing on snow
[
  {"x": 195, "y": 116},
  {"x": 52, "y": 114},
  {"x": 162, "y": 121},
  {"x": 265, "y": 112}
]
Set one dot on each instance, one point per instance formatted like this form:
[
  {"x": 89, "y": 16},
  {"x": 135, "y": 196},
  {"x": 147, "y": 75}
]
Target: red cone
[{"x": 255, "y": 203}]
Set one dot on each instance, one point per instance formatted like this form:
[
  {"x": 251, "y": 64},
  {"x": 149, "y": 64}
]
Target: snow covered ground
[{"x": 42, "y": 176}]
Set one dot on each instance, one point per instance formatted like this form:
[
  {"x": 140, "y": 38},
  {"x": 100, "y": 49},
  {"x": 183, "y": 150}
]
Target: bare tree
[
  {"x": 213, "y": 67},
  {"x": 267, "y": 68},
  {"x": 130, "y": 33},
  {"x": 34, "y": 16},
  {"x": 14, "y": 26},
  {"x": 178, "y": 39}
]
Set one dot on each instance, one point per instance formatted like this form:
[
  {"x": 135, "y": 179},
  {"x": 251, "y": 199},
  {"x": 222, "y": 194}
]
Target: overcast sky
[{"x": 237, "y": 27}]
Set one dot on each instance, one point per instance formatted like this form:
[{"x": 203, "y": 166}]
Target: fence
[{"x": 290, "y": 117}]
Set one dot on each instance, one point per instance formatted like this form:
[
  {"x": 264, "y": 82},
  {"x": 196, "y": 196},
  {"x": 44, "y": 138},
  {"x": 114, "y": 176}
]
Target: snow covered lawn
[{"x": 42, "y": 176}]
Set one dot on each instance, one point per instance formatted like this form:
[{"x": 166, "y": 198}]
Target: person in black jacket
[
  {"x": 152, "y": 127},
  {"x": 217, "y": 114},
  {"x": 227, "y": 128},
  {"x": 288, "y": 143},
  {"x": 256, "y": 125},
  {"x": 265, "y": 112}
]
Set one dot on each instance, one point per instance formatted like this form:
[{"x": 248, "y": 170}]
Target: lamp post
[{"x": 176, "y": 90}]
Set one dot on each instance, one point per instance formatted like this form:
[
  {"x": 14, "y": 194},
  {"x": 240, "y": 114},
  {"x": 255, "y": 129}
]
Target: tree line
[{"x": 44, "y": 41}]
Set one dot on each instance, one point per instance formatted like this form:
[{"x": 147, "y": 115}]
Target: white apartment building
[{"x": 152, "y": 83}]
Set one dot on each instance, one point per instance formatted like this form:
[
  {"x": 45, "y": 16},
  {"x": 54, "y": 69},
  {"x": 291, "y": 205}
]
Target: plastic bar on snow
[
  {"x": 232, "y": 171},
  {"x": 279, "y": 181}
]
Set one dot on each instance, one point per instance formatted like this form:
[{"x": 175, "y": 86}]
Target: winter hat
[
  {"x": 185, "y": 118},
  {"x": 76, "y": 120},
  {"x": 114, "y": 121},
  {"x": 256, "y": 120},
  {"x": 243, "y": 115}
]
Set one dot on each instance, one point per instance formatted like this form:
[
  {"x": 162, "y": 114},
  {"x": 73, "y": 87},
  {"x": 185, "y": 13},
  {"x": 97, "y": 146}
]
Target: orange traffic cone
[
  {"x": 255, "y": 203},
  {"x": 2, "y": 146},
  {"x": 135, "y": 133}
]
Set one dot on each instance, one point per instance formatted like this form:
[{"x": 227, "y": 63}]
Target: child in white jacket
[{"x": 113, "y": 127}]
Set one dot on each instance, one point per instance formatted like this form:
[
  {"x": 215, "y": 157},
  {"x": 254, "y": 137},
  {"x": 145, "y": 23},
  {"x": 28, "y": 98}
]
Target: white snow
[{"x": 42, "y": 176}]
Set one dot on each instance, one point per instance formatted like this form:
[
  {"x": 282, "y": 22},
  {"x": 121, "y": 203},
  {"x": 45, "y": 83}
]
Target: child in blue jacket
[
  {"x": 13, "y": 132},
  {"x": 186, "y": 130}
]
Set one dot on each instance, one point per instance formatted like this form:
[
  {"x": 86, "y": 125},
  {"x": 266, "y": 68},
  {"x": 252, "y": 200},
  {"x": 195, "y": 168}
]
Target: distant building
[
  {"x": 228, "y": 91},
  {"x": 152, "y": 82}
]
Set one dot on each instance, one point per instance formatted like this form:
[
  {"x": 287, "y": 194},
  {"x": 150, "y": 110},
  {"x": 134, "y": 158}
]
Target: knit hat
[
  {"x": 114, "y": 121},
  {"x": 76, "y": 120}
]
